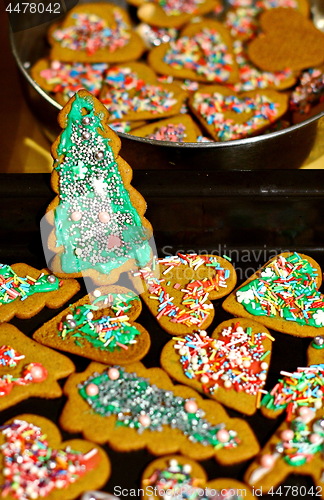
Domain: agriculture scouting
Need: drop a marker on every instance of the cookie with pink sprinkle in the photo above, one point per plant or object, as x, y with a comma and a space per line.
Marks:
93, 33
227, 115
229, 366
179, 128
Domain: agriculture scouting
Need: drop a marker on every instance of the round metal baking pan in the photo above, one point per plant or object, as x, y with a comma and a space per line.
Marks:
286, 148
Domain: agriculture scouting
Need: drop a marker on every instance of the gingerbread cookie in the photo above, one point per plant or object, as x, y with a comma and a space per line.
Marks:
100, 326
301, 388
174, 475
230, 366
251, 78
288, 40
132, 92
228, 116
133, 407
179, 128
172, 13
35, 463
64, 79
28, 369
97, 216
25, 291
283, 295
203, 53
178, 289
296, 448
93, 33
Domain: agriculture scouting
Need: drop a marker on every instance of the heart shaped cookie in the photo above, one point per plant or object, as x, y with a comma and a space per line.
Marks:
283, 295
25, 291
295, 448
229, 366
93, 33
100, 326
35, 463
64, 79
179, 294
203, 53
172, 13
227, 115
133, 407
28, 369
132, 92
298, 389
288, 40
165, 476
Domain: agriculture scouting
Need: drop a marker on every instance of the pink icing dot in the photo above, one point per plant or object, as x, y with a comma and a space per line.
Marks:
222, 436
37, 371
92, 389
113, 241
315, 438
104, 217
144, 420
267, 461
113, 373
56, 65
76, 216
287, 435
191, 406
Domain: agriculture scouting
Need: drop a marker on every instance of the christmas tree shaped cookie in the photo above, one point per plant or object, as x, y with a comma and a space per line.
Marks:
25, 291
133, 407
35, 463
100, 326
28, 369
296, 448
167, 476
301, 388
180, 295
283, 295
229, 366
97, 217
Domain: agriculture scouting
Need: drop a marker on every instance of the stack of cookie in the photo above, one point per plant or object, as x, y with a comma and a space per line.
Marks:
190, 71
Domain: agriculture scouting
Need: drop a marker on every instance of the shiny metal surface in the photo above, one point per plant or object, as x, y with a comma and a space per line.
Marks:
286, 148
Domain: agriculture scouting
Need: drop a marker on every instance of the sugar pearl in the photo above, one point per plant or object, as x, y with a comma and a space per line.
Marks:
76, 216
51, 278
287, 435
246, 363
306, 413
187, 468
227, 384
315, 438
144, 420
191, 406
264, 365
92, 390
104, 217
204, 379
86, 120
267, 461
222, 436
113, 373
96, 293
37, 371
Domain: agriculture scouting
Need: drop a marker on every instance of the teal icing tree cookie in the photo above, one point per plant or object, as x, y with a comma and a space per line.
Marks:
97, 217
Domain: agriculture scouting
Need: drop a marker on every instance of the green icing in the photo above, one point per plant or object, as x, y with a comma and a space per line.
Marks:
90, 184
285, 288
301, 449
107, 333
130, 397
13, 287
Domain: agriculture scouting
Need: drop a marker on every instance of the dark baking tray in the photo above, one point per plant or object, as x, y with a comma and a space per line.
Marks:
247, 215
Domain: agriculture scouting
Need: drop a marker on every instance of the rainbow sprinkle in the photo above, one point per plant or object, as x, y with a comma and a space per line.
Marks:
234, 361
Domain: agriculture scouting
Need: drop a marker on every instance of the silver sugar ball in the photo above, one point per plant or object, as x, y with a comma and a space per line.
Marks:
71, 323
279, 448
51, 278
86, 120
319, 340
99, 155
318, 426
86, 135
